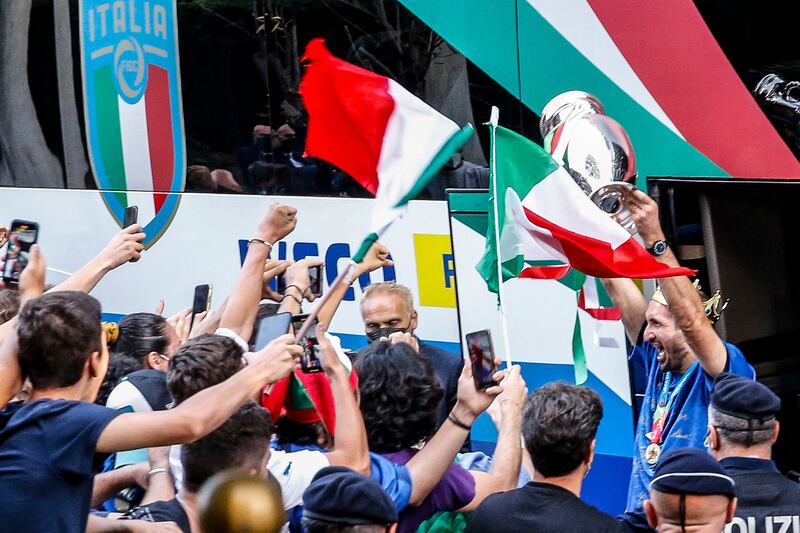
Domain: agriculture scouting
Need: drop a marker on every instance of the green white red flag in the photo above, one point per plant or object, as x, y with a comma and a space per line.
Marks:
373, 129
548, 225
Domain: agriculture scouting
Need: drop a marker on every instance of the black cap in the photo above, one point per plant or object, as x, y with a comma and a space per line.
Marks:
691, 471
744, 398
341, 496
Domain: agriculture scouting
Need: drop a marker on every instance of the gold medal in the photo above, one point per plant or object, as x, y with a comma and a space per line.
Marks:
652, 453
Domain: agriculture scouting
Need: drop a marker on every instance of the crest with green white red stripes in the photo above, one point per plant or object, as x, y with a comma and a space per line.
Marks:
132, 107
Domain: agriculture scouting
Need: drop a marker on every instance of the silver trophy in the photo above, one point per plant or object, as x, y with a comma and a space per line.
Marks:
564, 107
594, 149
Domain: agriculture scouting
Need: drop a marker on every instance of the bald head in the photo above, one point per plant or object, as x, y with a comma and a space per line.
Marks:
701, 513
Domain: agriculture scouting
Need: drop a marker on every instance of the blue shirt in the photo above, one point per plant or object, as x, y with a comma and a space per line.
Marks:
687, 422
48, 462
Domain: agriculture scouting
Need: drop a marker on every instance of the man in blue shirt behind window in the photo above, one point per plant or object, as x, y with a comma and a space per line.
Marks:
678, 350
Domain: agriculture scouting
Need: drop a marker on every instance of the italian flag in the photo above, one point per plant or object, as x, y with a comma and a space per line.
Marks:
307, 398
548, 225
136, 140
377, 132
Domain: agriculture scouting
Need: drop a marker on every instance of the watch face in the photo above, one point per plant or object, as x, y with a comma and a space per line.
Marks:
659, 247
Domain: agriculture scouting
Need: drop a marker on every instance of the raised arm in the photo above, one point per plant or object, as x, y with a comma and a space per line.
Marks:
240, 314
297, 284
684, 301
630, 300
31, 285
377, 257
206, 410
430, 464
125, 246
504, 472
350, 443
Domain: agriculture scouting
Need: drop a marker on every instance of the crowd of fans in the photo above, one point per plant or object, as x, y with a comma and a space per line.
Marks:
174, 424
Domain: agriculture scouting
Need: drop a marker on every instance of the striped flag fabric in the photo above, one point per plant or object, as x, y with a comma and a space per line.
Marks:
548, 225
143, 158
373, 129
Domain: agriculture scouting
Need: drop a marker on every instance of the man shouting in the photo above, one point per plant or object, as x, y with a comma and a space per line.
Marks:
680, 353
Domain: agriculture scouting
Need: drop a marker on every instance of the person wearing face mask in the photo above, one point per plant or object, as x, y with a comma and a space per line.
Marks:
678, 351
388, 312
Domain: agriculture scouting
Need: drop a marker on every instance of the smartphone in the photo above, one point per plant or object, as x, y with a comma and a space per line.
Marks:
281, 284
131, 215
202, 301
481, 354
21, 236
315, 277
271, 327
309, 359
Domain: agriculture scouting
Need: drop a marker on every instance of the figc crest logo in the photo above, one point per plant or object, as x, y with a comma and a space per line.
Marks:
132, 106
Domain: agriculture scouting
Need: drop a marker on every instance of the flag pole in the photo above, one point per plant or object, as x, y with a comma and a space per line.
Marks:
343, 277
494, 118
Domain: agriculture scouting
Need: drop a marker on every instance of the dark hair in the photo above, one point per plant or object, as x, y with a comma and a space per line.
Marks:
290, 431
240, 443
9, 305
57, 333
317, 526
140, 334
200, 363
399, 396
559, 423
119, 366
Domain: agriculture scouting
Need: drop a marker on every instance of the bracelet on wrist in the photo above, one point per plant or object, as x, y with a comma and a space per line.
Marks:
156, 471
293, 297
260, 241
452, 418
292, 285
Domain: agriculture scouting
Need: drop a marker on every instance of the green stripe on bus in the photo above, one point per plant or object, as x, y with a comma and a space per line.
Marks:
108, 132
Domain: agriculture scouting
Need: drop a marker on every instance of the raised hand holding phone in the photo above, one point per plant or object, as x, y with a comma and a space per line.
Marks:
277, 359
22, 235
201, 302
125, 246
329, 360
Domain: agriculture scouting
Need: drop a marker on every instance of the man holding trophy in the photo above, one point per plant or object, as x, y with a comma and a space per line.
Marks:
675, 342
673, 335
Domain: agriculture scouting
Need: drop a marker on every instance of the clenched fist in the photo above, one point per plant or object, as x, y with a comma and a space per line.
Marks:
278, 222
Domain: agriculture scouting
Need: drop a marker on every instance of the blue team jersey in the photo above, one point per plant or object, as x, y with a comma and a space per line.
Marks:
687, 422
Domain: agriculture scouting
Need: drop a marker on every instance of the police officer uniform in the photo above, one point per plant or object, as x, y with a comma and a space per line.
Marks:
768, 501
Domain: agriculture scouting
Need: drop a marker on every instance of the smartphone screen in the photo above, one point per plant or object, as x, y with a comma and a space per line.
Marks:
271, 327
131, 216
21, 236
202, 298
481, 354
315, 277
202, 301
309, 359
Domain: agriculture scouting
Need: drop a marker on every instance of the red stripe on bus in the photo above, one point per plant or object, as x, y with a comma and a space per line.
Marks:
159, 131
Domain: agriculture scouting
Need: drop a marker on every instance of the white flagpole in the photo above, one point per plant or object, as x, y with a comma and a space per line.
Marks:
493, 120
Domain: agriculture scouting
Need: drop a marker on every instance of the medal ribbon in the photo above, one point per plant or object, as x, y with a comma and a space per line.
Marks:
664, 405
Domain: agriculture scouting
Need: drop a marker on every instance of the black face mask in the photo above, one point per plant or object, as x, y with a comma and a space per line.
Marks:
383, 332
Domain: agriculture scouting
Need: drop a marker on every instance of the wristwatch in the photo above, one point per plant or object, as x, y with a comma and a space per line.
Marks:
658, 248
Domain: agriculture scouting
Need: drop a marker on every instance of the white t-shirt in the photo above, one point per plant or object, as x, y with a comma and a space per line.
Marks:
292, 470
